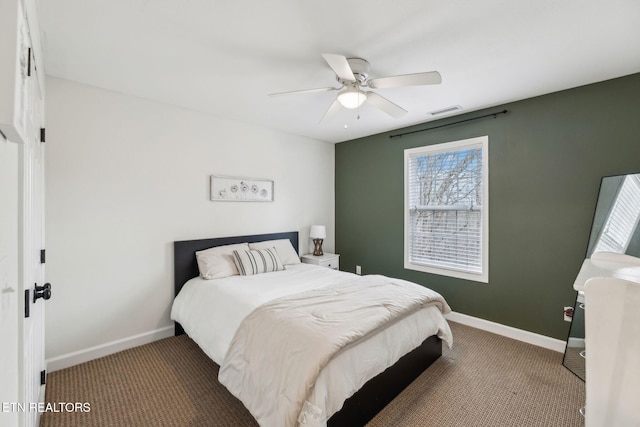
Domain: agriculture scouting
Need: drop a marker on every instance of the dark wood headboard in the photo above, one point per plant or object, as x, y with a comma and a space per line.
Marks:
185, 266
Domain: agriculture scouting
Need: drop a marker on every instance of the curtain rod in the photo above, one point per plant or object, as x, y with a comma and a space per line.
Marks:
494, 115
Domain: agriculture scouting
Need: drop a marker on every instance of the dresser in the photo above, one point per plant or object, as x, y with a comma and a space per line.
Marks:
611, 286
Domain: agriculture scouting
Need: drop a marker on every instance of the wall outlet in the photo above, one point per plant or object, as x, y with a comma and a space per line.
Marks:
358, 269
568, 314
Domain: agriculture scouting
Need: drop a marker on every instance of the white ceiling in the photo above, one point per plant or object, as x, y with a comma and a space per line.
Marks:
224, 56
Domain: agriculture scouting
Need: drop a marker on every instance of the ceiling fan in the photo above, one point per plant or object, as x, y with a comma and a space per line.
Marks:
353, 76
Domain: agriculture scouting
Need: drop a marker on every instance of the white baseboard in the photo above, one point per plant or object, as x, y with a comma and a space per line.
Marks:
508, 331
91, 353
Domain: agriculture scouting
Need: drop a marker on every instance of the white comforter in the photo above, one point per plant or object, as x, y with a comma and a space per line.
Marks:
211, 311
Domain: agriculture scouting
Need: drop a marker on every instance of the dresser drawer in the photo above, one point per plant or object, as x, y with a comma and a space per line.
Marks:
331, 263
327, 260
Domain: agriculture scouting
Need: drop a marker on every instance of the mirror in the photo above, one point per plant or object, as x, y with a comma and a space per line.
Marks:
575, 353
615, 221
614, 229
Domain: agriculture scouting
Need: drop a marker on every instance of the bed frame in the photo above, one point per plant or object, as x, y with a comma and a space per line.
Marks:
377, 392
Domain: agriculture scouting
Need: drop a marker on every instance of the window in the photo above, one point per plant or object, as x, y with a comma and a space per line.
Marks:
446, 209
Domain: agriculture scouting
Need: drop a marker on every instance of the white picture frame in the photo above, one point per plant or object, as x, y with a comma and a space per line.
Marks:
234, 189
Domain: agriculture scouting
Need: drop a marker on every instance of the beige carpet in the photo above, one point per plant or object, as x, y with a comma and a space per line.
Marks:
484, 380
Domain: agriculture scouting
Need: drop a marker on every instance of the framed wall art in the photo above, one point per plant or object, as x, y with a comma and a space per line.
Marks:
231, 189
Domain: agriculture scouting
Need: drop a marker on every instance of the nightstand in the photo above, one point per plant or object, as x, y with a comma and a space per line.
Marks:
326, 260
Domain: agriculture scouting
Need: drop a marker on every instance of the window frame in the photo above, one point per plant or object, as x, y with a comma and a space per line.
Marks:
481, 142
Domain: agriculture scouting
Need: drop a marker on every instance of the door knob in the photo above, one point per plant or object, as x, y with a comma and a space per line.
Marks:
43, 292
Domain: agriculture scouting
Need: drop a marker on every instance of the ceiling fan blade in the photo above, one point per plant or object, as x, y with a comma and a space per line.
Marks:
293, 92
417, 79
340, 66
385, 105
331, 112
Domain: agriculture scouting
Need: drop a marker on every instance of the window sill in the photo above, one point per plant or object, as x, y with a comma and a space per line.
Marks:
474, 277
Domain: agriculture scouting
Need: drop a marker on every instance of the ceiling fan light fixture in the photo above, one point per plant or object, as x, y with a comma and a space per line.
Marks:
351, 98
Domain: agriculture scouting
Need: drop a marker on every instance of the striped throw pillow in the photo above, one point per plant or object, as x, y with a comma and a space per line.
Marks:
257, 261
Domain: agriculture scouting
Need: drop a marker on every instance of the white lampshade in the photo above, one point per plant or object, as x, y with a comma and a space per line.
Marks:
318, 232
351, 98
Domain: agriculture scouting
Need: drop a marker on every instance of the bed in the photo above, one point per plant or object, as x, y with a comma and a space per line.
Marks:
375, 386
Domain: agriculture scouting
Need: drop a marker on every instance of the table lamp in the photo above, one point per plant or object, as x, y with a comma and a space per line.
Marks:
317, 233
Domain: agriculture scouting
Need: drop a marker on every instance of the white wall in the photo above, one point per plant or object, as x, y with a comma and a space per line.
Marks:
126, 177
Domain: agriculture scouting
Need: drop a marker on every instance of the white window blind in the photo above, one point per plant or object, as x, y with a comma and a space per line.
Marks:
622, 219
446, 209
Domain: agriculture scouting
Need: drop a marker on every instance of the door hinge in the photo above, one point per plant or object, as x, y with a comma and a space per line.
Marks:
42, 135
43, 256
27, 302
43, 377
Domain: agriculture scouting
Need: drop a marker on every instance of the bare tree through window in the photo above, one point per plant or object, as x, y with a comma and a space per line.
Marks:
445, 191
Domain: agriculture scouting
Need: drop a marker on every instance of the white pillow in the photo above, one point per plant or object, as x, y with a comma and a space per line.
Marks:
285, 250
217, 262
257, 261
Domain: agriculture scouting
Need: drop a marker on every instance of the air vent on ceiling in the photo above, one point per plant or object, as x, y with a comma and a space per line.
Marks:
446, 110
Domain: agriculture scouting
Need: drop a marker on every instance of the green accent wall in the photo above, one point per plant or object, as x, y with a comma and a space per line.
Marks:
546, 159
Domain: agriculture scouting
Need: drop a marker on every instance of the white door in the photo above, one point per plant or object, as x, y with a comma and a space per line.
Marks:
32, 162
9, 272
